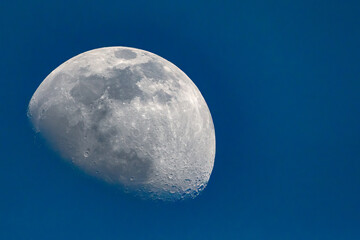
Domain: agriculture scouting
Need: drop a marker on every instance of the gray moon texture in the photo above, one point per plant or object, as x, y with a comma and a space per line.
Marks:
130, 118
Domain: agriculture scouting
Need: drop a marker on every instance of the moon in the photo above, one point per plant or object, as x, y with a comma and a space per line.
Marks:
129, 118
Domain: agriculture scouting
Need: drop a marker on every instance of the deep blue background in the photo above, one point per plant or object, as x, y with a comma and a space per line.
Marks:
281, 79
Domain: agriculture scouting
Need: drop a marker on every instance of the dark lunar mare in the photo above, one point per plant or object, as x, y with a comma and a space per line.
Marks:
126, 54
122, 85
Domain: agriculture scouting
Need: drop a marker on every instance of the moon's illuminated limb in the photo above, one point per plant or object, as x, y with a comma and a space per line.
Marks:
130, 118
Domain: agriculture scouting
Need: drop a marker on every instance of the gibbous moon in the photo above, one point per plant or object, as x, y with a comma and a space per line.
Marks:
130, 118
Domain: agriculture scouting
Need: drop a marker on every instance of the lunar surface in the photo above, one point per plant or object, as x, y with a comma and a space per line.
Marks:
130, 118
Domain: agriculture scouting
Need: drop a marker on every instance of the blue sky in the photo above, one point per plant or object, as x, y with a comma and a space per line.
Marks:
281, 79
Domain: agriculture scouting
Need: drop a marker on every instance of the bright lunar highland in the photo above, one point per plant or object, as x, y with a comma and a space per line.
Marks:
130, 118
